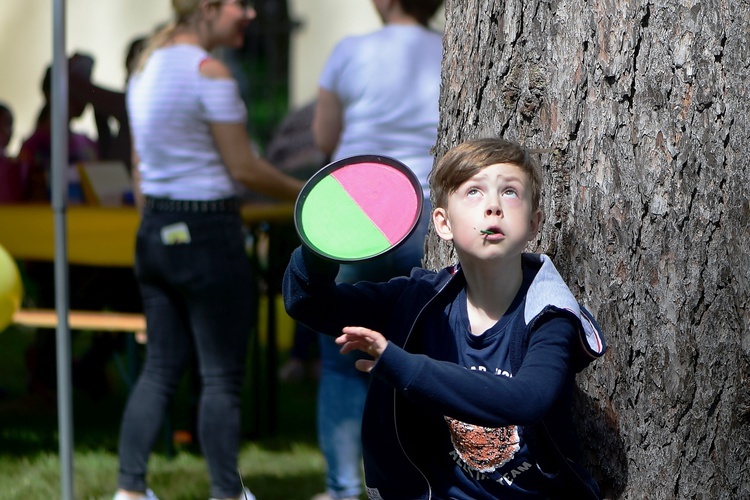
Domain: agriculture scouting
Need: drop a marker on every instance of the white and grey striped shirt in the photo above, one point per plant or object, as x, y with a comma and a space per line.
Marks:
171, 106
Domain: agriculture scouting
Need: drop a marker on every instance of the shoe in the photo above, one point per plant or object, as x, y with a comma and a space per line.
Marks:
149, 495
245, 495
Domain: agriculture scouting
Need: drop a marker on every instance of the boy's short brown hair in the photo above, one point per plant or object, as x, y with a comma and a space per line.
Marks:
463, 161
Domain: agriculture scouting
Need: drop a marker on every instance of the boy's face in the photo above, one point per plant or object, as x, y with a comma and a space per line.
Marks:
490, 215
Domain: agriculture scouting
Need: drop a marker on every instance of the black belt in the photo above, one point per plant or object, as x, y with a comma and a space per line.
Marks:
165, 205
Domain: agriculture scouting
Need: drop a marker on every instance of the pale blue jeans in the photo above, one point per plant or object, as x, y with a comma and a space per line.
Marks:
342, 389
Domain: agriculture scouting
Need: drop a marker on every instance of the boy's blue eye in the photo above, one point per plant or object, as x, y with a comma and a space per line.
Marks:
510, 193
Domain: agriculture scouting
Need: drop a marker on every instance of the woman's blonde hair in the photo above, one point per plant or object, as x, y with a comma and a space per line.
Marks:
184, 12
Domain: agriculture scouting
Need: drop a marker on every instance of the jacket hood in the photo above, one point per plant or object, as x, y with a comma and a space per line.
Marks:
549, 290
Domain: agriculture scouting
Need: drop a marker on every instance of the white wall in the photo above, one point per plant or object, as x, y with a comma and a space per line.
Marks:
323, 23
102, 28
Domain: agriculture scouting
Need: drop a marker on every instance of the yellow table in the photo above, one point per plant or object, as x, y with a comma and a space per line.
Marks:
253, 213
99, 236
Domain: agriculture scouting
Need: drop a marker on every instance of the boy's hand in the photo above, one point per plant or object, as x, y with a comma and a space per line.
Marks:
365, 340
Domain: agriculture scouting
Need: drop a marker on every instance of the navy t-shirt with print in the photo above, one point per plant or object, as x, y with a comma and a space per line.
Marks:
466, 458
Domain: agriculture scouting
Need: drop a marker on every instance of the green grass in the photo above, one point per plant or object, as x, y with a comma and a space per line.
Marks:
284, 465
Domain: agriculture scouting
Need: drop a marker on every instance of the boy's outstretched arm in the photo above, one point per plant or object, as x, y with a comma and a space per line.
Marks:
312, 297
365, 340
483, 397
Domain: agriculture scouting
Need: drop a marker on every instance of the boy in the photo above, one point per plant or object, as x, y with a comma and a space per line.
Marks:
474, 366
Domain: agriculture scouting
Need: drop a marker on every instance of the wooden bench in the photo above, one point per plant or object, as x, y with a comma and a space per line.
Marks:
95, 321
105, 236
83, 320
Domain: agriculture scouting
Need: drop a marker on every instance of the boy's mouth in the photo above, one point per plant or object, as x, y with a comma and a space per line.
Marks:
490, 231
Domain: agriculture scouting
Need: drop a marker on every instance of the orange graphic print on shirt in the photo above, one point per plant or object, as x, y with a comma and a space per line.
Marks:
484, 449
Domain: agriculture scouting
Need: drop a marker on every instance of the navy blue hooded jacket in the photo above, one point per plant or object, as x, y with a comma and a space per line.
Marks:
407, 387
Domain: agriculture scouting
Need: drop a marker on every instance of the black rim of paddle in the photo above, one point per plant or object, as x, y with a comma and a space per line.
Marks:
345, 162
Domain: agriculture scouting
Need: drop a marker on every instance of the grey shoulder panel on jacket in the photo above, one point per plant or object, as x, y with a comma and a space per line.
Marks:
549, 289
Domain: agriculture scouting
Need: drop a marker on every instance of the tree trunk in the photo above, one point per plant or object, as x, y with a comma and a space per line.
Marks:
641, 113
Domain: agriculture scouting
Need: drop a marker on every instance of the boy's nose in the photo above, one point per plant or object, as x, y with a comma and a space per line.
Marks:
493, 210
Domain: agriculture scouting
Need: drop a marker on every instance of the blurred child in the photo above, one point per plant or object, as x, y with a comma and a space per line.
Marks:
35, 156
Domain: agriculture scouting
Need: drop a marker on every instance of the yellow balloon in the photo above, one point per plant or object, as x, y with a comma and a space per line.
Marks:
11, 288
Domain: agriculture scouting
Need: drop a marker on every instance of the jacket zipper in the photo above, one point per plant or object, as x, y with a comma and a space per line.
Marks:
406, 341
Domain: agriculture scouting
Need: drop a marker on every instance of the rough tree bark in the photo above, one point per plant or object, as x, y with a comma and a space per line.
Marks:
642, 108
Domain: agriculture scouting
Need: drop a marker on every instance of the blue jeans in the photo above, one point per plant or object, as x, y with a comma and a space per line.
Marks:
199, 296
341, 400
343, 388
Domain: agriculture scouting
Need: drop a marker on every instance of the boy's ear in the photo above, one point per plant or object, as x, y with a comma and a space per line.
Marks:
442, 224
534, 223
